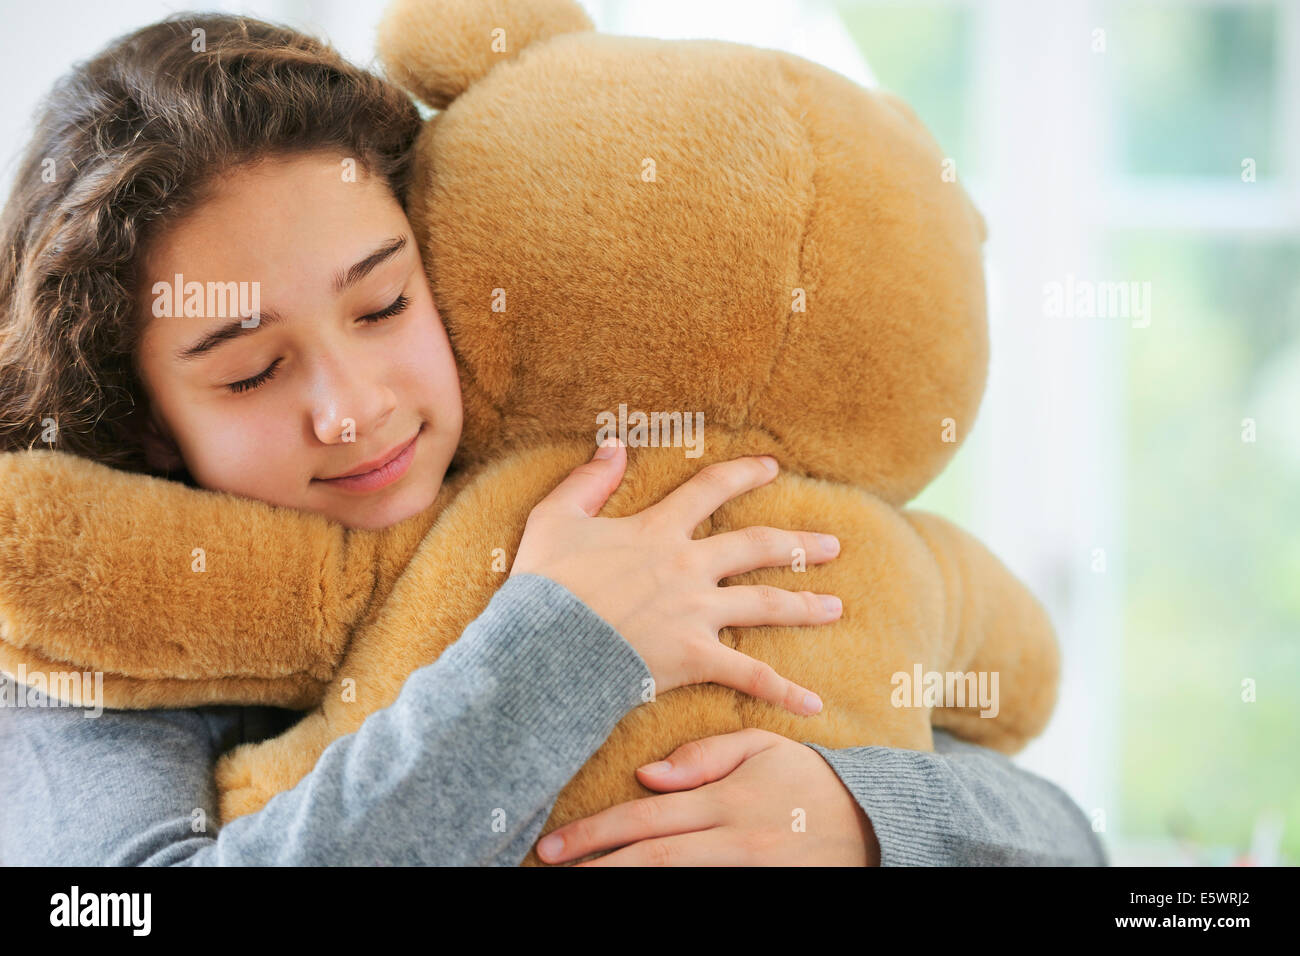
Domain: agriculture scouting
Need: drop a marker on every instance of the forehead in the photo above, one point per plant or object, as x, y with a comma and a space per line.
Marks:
288, 223
296, 214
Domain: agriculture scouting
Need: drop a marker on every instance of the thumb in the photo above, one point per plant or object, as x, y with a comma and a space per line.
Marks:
589, 485
703, 761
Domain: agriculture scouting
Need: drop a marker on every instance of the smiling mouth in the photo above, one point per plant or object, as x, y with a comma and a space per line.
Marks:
392, 467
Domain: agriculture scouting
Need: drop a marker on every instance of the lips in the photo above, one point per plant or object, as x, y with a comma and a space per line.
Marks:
376, 463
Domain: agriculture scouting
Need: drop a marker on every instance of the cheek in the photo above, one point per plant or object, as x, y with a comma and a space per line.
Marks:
244, 453
428, 363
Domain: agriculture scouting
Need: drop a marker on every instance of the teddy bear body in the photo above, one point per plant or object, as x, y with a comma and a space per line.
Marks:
898, 615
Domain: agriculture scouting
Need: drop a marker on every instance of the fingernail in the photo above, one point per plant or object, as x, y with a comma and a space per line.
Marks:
830, 543
832, 604
769, 463
812, 703
663, 766
551, 846
607, 447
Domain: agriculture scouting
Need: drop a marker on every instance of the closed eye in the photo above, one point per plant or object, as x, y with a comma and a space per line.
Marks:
399, 305
257, 380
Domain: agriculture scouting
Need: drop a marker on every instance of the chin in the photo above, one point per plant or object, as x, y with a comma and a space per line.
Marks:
413, 501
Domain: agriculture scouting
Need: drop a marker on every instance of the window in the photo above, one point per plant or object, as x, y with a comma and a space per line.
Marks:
1155, 144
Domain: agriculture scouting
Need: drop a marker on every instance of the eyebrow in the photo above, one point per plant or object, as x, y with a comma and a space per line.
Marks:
343, 280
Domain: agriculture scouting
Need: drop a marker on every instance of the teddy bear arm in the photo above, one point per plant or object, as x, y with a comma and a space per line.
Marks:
996, 629
177, 596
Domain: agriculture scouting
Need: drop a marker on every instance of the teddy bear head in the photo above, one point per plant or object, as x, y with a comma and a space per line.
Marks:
734, 234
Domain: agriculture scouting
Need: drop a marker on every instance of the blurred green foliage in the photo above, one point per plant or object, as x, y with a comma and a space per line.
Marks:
1195, 87
1212, 595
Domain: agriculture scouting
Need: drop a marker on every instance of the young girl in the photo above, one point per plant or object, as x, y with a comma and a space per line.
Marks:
213, 148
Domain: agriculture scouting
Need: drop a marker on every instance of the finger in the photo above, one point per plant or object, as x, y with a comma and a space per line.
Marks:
735, 552
702, 761
758, 605
713, 847
731, 668
589, 486
713, 486
626, 823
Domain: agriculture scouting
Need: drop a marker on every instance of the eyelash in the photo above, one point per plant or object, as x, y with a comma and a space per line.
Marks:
399, 305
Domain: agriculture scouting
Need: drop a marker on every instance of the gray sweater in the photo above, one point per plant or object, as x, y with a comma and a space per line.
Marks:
462, 768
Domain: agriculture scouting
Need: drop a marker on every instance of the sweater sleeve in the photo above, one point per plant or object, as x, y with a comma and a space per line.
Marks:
963, 805
463, 768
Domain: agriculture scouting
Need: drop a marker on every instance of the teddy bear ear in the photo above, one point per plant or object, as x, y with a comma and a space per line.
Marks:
437, 48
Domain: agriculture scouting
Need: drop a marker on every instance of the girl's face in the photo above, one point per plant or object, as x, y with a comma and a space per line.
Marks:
348, 366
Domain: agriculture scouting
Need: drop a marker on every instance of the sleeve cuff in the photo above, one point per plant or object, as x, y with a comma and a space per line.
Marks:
897, 790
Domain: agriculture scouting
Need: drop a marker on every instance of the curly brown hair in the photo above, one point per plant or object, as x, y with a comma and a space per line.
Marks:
125, 143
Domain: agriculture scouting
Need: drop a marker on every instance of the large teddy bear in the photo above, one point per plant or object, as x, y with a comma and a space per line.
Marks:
613, 227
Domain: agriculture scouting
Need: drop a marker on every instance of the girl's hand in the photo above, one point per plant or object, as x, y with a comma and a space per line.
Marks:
775, 802
658, 587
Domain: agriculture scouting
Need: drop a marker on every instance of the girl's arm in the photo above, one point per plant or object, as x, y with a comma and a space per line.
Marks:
963, 805
462, 769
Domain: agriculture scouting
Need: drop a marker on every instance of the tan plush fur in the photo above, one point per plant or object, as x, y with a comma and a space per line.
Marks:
677, 226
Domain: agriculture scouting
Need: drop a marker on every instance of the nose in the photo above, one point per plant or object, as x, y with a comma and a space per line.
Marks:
350, 399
